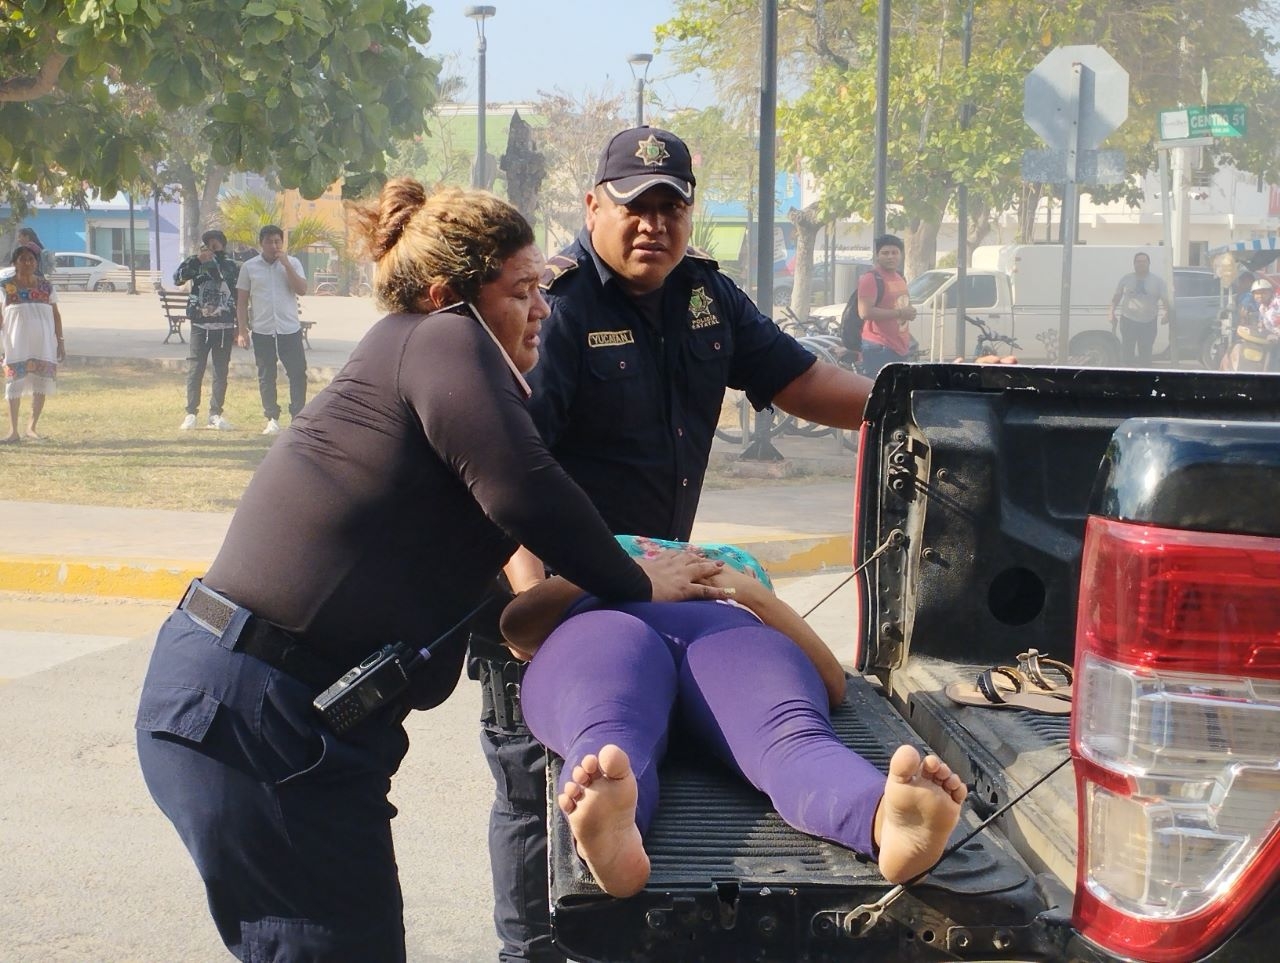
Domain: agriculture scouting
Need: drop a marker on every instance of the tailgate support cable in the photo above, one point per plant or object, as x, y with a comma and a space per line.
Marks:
860, 920
894, 539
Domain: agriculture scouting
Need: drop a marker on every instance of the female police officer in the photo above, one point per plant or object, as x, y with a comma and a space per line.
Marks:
381, 516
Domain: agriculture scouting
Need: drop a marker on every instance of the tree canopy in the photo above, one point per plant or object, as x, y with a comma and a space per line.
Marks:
309, 90
827, 83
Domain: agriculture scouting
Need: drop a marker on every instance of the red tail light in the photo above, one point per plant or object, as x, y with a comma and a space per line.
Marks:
1174, 735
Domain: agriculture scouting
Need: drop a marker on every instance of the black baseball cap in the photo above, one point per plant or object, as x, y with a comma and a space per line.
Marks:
644, 157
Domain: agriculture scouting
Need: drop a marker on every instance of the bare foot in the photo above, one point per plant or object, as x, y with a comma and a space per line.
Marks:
600, 804
32, 436
920, 807
9, 440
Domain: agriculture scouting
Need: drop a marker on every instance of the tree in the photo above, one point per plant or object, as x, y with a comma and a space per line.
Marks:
311, 90
1163, 44
574, 132
432, 155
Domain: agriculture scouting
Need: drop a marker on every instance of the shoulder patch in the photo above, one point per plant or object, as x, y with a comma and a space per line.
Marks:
701, 255
558, 265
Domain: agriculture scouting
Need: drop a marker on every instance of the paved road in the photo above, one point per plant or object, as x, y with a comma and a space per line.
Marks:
91, 871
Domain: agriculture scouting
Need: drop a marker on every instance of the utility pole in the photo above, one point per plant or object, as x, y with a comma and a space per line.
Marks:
882, 121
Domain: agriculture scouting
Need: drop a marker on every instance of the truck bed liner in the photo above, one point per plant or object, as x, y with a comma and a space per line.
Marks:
719, 852
999, 752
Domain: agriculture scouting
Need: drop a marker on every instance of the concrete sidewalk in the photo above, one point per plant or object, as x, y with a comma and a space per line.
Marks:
795, 526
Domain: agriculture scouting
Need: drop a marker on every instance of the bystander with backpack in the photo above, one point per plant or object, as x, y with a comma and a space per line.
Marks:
880, 311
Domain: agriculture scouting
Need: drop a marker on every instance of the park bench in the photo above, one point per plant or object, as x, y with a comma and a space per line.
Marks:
119, 280
63, 279
174, 304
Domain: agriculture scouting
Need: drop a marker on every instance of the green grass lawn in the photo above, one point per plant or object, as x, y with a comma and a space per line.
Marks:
111, 438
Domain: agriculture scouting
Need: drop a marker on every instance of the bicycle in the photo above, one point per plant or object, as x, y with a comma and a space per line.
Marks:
991, 342
791, 323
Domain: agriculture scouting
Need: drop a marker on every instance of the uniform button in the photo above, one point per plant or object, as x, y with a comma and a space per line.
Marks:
679, 432
716, 345
622, 364
685, 482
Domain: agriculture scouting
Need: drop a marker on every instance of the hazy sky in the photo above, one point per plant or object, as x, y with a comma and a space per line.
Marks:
576, 46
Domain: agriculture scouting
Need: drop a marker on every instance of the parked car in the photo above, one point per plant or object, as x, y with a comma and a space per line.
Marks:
98, 268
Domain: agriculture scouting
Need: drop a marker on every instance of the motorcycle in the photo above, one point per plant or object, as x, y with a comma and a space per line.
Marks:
1249, 349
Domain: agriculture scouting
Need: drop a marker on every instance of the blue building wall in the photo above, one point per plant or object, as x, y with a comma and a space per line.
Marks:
62, 228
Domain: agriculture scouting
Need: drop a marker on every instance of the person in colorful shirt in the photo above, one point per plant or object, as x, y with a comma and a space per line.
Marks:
31, 337
212, 312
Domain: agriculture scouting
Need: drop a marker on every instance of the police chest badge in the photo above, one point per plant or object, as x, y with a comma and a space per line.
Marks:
700, 315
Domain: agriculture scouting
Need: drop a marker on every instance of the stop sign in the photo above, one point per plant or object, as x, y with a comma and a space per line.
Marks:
1103, 97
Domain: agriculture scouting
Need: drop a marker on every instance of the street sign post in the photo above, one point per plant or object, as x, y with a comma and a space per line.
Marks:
1073, 99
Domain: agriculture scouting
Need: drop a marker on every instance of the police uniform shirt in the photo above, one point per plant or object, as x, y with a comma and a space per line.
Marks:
628, 391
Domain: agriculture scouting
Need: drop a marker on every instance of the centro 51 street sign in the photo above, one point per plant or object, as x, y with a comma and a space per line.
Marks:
1216, 120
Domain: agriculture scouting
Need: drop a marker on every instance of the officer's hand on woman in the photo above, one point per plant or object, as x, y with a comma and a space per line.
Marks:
677, 576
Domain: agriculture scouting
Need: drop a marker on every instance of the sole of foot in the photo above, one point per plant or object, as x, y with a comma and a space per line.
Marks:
600, 805
919, 809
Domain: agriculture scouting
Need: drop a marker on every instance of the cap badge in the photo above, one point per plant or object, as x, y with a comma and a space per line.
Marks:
652, 151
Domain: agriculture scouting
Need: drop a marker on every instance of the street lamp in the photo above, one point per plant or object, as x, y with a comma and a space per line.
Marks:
479, 14
640, 62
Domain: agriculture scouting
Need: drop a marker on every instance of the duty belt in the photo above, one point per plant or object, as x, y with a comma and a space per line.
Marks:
257, 637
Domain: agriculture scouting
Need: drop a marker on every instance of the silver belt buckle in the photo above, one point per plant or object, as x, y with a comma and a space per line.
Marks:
208, 609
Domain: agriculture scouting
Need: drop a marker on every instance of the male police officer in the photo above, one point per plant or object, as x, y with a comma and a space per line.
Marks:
644, 335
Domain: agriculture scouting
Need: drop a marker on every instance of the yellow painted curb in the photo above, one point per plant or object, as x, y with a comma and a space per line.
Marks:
161, 579
167, 579
801, 555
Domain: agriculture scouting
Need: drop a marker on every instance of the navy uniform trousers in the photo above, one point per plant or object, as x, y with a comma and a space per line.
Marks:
289, 826
518, 820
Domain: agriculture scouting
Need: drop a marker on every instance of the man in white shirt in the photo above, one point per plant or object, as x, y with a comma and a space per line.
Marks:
267, 303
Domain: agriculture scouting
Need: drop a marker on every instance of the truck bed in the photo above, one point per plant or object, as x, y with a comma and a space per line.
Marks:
731, 881
1000, 753
973, 487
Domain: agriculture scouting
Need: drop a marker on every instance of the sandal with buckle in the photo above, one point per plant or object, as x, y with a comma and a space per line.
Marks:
1046, 674
1003, 687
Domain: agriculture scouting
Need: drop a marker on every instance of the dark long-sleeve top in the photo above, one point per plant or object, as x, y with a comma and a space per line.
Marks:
388, 507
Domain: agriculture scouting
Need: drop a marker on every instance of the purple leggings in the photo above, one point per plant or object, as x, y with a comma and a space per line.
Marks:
627, 675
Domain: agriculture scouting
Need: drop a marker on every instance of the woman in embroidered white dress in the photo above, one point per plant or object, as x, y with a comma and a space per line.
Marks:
31, 337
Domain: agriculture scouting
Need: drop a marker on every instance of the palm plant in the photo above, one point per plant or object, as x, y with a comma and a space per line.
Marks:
241, 216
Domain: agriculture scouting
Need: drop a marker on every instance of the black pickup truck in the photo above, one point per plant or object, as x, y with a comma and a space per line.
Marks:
1128, 521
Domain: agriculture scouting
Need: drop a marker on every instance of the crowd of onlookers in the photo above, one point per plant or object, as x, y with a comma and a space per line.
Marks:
249, 302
